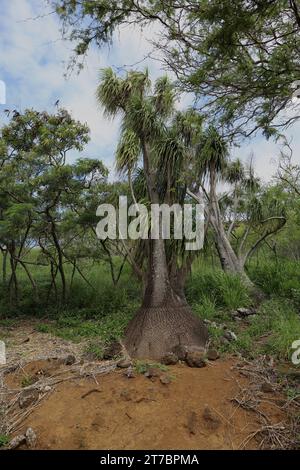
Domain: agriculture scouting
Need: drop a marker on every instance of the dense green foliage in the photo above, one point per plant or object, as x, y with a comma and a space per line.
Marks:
55, 270
240, 58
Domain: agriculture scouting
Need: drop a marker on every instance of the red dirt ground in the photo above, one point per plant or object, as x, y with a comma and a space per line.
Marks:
142, 413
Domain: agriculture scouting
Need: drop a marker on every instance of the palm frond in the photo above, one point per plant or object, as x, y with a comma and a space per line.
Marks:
128, 151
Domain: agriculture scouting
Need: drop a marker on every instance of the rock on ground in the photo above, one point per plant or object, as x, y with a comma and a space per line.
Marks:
170, 359
195, 359
30, 438
211, 418
212, 355
192, 422
165, 379
70, 360
28, 397
113, 350
152, 372
124, 363
17, 441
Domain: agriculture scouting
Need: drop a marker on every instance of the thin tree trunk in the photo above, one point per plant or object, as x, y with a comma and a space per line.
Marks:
230, 261
233, 264
32, 281
53, 283
13, 282
4, 266
60, 263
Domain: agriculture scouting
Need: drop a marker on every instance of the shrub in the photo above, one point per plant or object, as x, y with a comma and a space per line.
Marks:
212, 289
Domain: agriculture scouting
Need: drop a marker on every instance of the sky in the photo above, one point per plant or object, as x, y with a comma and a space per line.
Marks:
33, 63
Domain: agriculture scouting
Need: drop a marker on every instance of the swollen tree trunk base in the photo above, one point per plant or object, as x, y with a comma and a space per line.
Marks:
155, 331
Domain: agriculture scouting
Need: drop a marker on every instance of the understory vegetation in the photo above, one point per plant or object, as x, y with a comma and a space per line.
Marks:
56, 268
98, 312
164, 243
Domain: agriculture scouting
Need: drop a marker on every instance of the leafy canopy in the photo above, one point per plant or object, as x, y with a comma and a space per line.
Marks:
240, 58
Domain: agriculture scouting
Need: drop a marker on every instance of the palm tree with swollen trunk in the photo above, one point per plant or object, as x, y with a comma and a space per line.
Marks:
164, 321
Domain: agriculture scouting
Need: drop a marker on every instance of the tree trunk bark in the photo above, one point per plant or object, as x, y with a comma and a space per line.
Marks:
4, 267
164, 320
13, 282
60, 263
232, 264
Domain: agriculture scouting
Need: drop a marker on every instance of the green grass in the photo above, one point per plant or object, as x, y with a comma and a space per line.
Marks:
8, 323
141, 367
280, 278
102, 312
27, 380
272, 331
71, 325
96, 300
95, 350
4, 440
210, 289
206, 308
214, 294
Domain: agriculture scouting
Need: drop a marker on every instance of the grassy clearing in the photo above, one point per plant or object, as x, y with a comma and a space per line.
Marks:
101, 313
272, 331
216, 289
280, 278
214, 294
72, 326
93, 300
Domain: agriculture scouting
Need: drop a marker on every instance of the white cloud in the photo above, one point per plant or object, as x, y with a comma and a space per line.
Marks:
33, 62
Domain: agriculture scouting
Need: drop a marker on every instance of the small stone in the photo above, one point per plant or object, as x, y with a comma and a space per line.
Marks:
266, 387
224, 341
211, 418
230, 336
30, 438
152, 372
28, 397
180, 351
47, 388
212, 355
245, 312
196, 359
170, 359
124, 363
165, 379
112, 350
235, 314
17, 441
130, 373
192, 422
70, 360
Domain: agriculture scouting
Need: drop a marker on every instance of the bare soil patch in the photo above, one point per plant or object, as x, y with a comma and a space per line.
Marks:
96, 406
